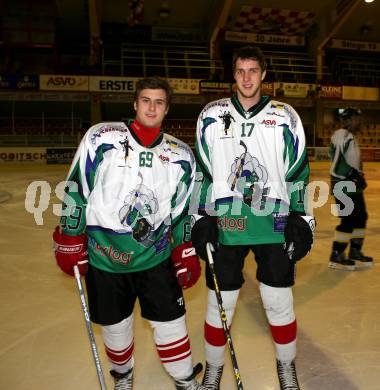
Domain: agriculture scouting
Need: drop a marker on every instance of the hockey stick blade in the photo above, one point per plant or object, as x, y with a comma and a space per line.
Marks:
223, 317
90, 331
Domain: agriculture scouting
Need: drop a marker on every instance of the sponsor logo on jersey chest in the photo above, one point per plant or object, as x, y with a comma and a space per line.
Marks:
269, 122
231, 224
164, 159
114, 254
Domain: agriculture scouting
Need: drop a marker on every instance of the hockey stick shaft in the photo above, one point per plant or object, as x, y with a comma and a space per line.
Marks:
90, 331
241, 165
223, 318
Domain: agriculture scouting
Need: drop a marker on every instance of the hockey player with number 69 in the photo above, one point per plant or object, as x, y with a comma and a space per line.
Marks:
125, 211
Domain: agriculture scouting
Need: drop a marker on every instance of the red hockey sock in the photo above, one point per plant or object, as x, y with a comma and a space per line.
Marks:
284, 334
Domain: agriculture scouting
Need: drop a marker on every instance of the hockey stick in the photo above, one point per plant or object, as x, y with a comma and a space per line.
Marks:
240, 168
90, 331
223, 317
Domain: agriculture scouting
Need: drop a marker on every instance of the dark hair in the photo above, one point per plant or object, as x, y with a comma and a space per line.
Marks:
154, 83
249, 53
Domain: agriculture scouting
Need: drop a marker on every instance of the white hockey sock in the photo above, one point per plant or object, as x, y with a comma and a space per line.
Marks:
118, 342
215, 340
173, 347
358, 233
278, 305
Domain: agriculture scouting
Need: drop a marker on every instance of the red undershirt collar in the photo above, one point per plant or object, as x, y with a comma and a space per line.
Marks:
146, 135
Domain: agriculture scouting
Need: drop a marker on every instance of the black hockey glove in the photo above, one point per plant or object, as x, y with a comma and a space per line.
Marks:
299, 235
358, 178
204, 230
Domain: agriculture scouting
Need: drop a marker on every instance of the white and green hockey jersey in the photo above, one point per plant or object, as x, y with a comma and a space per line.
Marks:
130, 200
254, 168
344, 153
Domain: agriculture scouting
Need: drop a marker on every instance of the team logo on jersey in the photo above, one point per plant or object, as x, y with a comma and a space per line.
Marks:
126, 148
138, 213
227, 119
249, 178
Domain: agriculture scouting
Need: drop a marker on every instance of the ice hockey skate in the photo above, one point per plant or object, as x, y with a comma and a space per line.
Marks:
340, 262
190, 383
212, 377
361, 261
123, 381
287, 375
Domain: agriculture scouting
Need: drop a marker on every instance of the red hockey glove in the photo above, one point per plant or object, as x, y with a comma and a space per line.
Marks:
70, 251
186, 264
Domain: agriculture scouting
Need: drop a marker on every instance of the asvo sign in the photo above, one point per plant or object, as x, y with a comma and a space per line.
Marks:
61, 81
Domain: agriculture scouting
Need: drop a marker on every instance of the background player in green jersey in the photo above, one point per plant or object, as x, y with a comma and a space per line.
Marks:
346, 165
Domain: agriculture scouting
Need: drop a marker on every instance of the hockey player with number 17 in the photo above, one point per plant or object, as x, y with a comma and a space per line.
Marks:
125, 211
257, 171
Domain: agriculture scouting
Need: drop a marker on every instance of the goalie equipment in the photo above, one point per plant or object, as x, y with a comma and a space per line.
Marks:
186, 264
70, 251
299, 235
204, 230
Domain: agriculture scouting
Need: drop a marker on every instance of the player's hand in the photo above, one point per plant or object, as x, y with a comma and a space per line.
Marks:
299, 235
186, 264
204, 230
70, 251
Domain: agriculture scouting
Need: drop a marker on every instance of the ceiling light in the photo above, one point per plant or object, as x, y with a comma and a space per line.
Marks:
369, 1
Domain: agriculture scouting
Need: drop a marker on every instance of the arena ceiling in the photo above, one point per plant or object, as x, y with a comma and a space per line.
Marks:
343, 19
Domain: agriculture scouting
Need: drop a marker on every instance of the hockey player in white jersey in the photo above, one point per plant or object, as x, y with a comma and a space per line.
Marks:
254, 175
346, 165
125, 210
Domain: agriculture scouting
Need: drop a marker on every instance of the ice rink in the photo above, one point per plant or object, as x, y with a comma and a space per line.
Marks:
44, 343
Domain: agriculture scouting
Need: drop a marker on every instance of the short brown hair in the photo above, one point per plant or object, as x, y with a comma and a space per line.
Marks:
249, 53
154, 83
